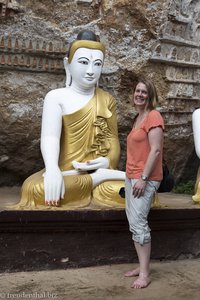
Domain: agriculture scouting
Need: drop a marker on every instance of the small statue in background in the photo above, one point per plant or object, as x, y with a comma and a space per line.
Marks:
196, 133
79, 138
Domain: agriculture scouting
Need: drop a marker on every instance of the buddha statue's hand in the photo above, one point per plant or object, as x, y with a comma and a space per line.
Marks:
54, 187
94, 164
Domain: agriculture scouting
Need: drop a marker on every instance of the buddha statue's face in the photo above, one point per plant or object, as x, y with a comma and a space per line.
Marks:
86, 66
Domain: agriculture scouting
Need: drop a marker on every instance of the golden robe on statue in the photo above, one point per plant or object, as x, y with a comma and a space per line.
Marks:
88, 133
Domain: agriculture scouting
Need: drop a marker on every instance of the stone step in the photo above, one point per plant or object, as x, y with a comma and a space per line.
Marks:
52, 239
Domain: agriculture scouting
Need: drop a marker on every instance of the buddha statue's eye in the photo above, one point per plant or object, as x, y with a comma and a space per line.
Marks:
83, 61
98, 63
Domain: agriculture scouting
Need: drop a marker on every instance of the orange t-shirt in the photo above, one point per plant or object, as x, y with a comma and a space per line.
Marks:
138, 148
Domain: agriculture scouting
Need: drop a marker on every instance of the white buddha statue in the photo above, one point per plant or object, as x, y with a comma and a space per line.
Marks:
196, 133
79, 138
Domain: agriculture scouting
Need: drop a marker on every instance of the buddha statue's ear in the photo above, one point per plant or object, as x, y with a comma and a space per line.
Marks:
68, 74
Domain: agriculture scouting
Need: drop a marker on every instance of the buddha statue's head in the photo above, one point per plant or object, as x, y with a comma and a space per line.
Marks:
84, 61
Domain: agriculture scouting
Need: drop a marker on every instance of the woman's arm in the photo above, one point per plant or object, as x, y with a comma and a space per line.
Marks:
155, 137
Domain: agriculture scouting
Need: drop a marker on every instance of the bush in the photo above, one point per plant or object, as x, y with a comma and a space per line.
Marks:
185, 188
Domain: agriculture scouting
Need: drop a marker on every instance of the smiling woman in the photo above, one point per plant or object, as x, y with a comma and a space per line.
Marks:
143, 173
79, 138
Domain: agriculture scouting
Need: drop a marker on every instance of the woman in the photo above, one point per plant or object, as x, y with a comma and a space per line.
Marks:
79, 138
143, 173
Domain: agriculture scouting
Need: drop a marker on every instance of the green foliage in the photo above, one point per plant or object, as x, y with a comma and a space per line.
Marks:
185, 188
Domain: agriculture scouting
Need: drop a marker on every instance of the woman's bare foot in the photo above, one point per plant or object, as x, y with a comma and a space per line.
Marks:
141, 282
134, 272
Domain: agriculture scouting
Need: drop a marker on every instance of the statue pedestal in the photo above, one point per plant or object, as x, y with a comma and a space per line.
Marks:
38, 240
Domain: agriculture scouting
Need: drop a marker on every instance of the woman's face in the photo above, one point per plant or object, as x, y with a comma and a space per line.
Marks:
140, 95
86, 67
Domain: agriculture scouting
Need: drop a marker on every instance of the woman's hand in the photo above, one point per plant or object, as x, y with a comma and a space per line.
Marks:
95, 164
54, 187
139, 188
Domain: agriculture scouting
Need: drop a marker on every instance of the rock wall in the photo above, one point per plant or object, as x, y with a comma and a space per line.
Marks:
157, 39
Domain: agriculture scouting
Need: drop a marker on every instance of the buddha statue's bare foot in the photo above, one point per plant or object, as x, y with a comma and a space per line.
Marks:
196, 198
156, 202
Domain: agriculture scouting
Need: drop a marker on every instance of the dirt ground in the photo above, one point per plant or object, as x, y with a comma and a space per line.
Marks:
171, 280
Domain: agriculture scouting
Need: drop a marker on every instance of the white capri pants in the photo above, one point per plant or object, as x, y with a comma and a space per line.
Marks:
137, 210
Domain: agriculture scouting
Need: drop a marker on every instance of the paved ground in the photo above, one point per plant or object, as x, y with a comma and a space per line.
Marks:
172, 280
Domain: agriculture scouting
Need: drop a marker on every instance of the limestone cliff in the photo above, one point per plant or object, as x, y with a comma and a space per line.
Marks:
157, 39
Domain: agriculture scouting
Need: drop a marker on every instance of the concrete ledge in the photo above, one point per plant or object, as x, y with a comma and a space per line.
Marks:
40, 240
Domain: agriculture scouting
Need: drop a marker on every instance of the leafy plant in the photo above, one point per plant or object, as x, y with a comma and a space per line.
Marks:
185, 187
